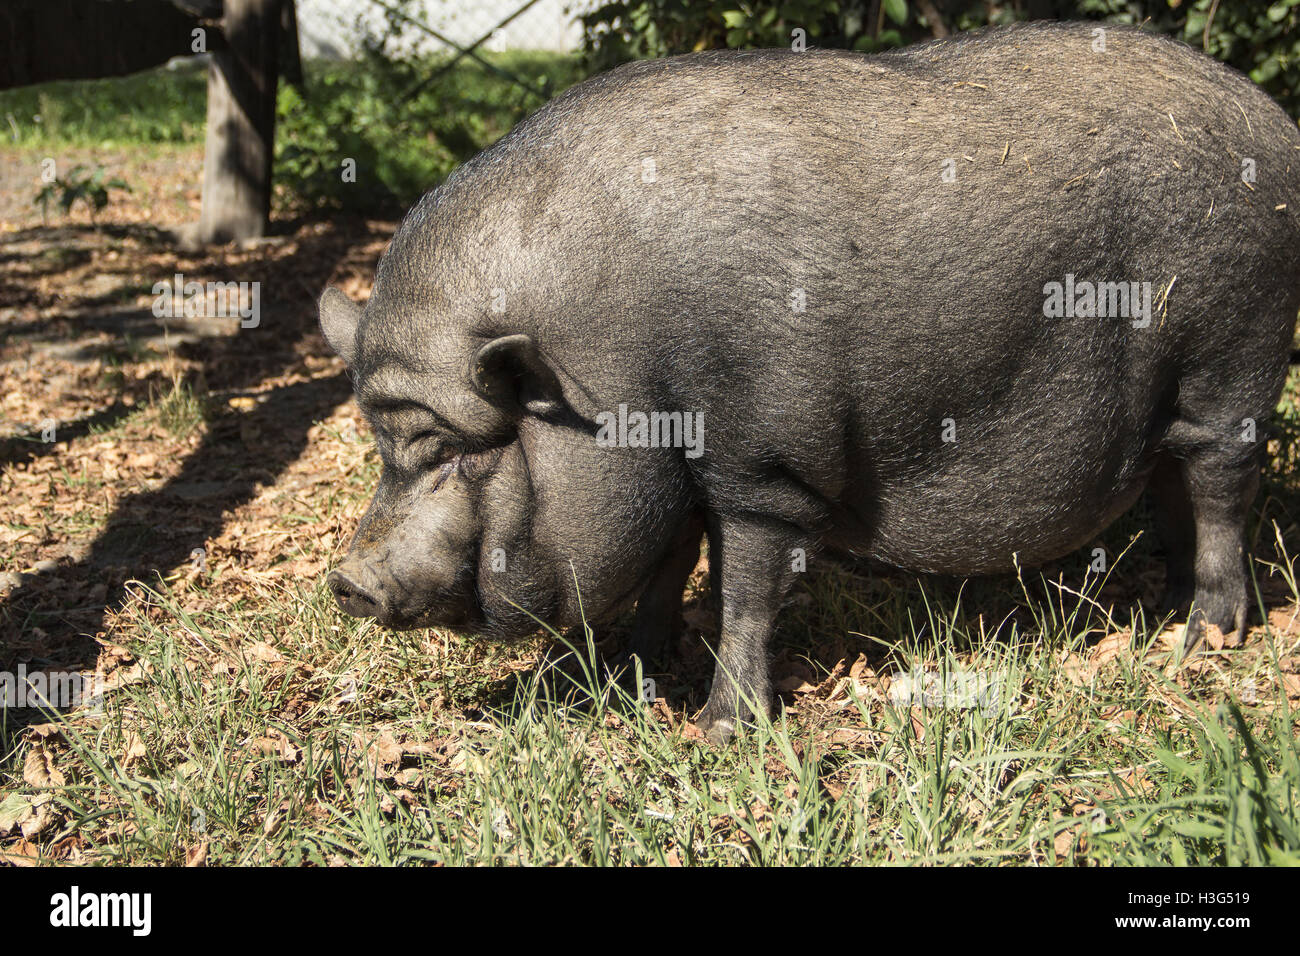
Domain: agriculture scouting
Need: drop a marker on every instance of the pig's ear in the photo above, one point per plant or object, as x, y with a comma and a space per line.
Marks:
339, 317
511, 369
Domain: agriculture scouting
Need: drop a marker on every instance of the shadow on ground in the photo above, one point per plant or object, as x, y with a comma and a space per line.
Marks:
151, 531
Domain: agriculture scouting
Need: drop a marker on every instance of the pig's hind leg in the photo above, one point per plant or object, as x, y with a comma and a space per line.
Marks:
1220, 475
1221, 491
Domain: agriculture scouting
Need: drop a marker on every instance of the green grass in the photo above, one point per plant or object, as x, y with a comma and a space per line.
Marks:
402, 146
180, 410
156, 106
311, 738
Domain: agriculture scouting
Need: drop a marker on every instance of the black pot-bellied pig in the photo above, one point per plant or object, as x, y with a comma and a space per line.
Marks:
952, 308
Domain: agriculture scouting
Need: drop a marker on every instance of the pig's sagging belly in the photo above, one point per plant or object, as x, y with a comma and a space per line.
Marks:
935, 531
969, 511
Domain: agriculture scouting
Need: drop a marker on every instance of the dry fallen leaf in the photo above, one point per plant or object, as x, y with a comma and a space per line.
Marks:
41, 820
135, 751
14, 809
380, 752
263, 653
834, 682
1285, 620
1119, 644
43, 732
276, 744
1291, 685
918, 723
860, 671
1076, 671
794, 684
1063, 842
1115, 716
1171, 638
1138, 780
850, 737
39, 769
662, 712
1214, 638
22, 853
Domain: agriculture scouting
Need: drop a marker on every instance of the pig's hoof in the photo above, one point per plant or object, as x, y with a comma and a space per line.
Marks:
718, 720
1224, 627
717, 730
723, 713
1193, 633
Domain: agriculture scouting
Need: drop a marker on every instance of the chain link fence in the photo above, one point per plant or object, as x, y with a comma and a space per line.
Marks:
333, 28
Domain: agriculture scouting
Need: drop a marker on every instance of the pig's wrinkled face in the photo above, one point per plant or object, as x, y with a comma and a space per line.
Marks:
429, 552
498, 508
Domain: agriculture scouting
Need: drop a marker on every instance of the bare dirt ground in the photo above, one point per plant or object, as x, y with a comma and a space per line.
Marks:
166, 437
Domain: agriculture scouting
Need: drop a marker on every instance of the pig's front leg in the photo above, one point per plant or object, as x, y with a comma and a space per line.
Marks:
755, 565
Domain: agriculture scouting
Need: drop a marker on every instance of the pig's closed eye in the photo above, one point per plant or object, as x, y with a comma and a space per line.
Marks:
431, 448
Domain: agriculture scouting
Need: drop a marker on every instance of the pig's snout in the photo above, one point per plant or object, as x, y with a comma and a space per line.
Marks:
405, 596
357, 591
414, 560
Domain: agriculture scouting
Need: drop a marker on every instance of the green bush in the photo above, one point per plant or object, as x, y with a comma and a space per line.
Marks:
619, 31
404, 123
1259, 37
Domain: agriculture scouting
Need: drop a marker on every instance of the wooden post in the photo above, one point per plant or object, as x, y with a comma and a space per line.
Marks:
290, 50
242, 80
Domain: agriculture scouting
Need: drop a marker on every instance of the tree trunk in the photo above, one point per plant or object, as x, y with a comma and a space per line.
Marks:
290, 51
938, 29
242, 79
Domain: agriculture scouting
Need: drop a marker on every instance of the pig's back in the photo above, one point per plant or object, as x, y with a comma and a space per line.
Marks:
727, 190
